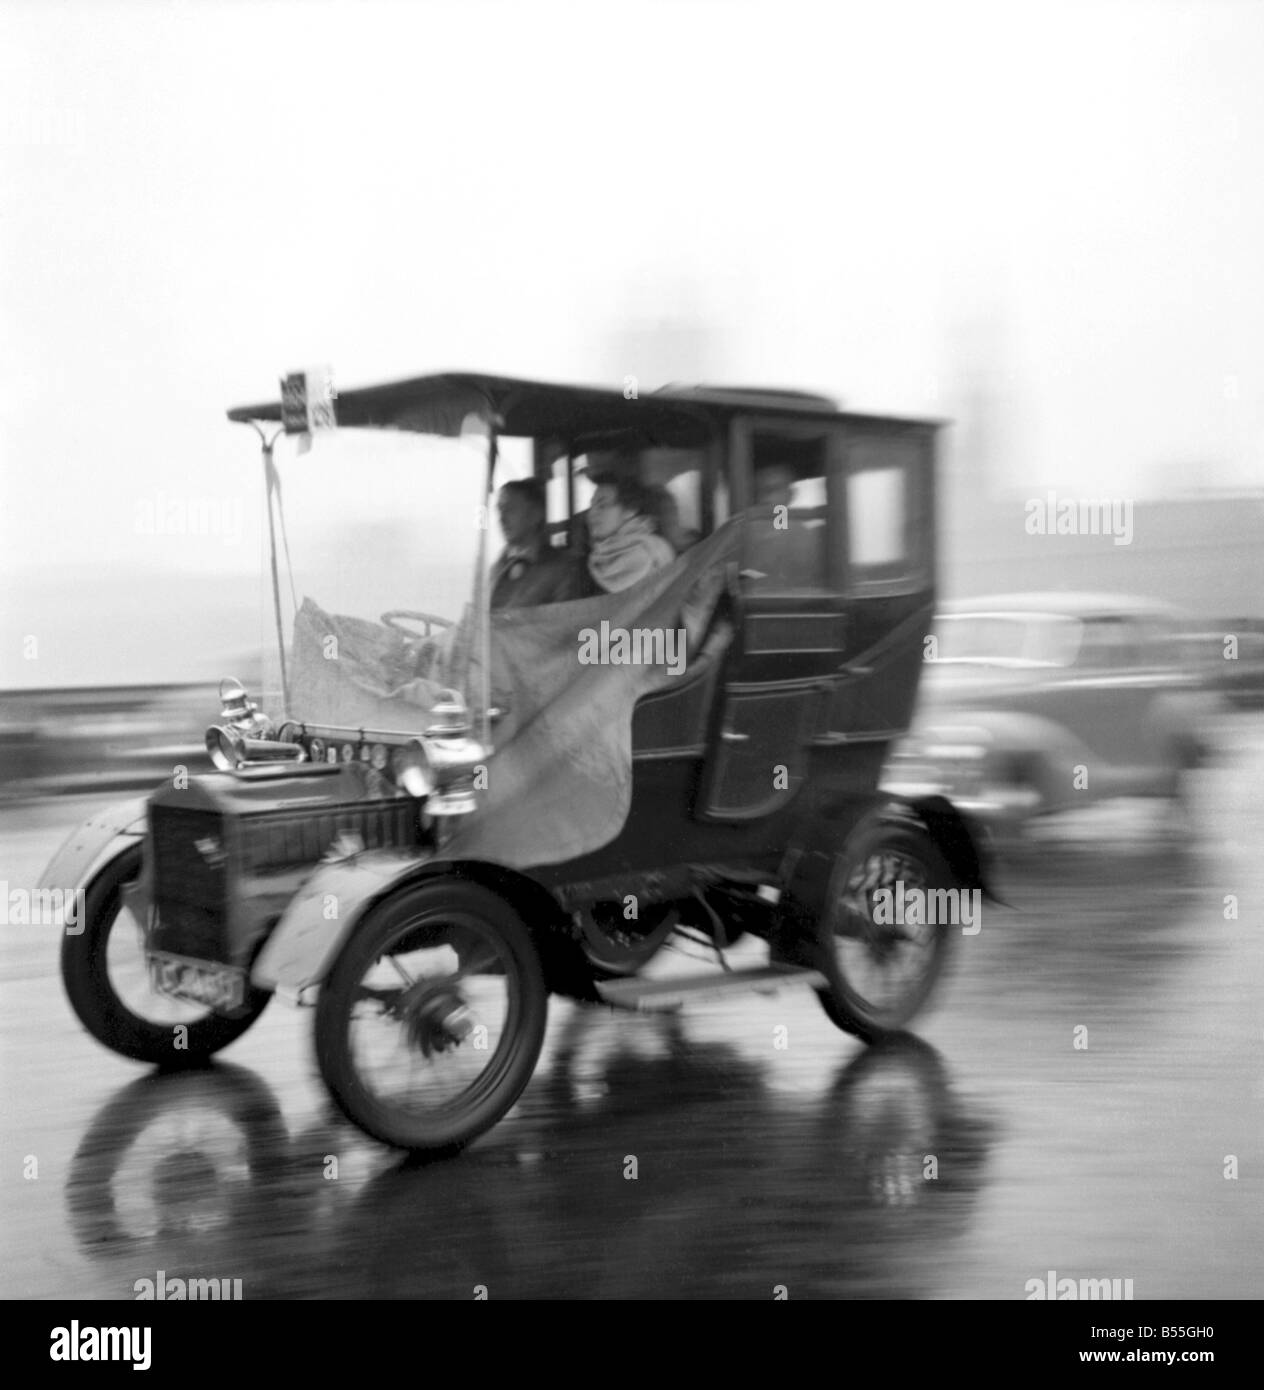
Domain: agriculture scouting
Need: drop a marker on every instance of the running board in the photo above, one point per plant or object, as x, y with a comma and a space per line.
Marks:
648, 995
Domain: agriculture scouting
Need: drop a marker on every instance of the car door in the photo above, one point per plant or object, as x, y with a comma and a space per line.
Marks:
834, 597
790, 613
1103, 703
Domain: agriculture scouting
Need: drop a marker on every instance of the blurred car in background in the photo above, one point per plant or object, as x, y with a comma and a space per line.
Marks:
1032, 704
1236, 668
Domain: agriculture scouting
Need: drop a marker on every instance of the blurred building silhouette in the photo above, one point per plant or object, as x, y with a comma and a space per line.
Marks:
1205, 552
1202, 550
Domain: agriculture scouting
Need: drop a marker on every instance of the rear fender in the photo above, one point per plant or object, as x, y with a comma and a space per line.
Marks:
962, 844
337, 897
807, 870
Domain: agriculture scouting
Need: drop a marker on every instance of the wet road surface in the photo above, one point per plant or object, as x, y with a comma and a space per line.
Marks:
730, 1149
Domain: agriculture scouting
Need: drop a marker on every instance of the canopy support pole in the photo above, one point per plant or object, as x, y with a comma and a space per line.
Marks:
273, 500
484, 593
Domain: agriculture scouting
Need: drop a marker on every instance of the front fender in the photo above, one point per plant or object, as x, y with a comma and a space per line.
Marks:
323, 914
1046, 749
1012, 731
336, 898
97, 840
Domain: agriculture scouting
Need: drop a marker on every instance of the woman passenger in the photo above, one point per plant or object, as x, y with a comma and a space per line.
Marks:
623, 542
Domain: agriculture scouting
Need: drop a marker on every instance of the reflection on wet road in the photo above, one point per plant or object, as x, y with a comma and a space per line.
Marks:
200, 1171
1094, 1062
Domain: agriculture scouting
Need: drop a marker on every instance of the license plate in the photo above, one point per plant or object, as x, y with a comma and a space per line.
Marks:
220, 987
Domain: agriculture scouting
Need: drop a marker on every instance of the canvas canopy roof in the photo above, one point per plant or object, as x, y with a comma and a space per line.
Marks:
678, 415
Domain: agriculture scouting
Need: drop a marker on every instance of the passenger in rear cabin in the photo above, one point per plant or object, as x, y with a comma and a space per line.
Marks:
625, 544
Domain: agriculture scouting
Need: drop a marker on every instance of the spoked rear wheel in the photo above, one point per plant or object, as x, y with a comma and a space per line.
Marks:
432, 1018
878, 950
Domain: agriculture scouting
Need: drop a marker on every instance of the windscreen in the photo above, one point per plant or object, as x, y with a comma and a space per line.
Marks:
379, 535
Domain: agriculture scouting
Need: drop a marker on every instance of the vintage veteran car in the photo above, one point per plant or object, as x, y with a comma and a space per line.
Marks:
435, 819
1042, 702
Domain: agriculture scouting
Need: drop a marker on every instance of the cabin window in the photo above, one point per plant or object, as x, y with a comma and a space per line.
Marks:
787, 524
555, 495
889, 539
675, 476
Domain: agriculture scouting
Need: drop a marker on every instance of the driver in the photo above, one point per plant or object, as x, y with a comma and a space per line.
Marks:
529, 570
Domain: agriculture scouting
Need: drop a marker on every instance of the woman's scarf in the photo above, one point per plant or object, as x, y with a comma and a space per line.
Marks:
627, 556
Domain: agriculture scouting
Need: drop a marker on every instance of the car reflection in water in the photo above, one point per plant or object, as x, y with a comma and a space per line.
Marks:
737, 1190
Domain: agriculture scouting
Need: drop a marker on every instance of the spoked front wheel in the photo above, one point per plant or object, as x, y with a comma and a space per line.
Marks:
890, 910
431, 1021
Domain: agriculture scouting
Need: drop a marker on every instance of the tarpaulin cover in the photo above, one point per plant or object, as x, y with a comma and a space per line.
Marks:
559, 782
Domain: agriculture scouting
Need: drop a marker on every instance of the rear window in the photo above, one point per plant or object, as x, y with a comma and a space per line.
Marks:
1006, 639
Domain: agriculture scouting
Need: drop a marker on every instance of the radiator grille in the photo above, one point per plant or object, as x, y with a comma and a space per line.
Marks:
205, 862
191, 875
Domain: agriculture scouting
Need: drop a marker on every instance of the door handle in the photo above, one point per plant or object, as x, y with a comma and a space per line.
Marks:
732, 736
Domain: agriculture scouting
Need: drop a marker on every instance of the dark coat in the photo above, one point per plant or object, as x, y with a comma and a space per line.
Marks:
542, 575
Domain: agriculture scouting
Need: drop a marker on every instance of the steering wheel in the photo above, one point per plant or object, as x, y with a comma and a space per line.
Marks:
411, 614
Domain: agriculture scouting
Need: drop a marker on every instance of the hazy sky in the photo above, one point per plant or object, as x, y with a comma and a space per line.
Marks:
883, 201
